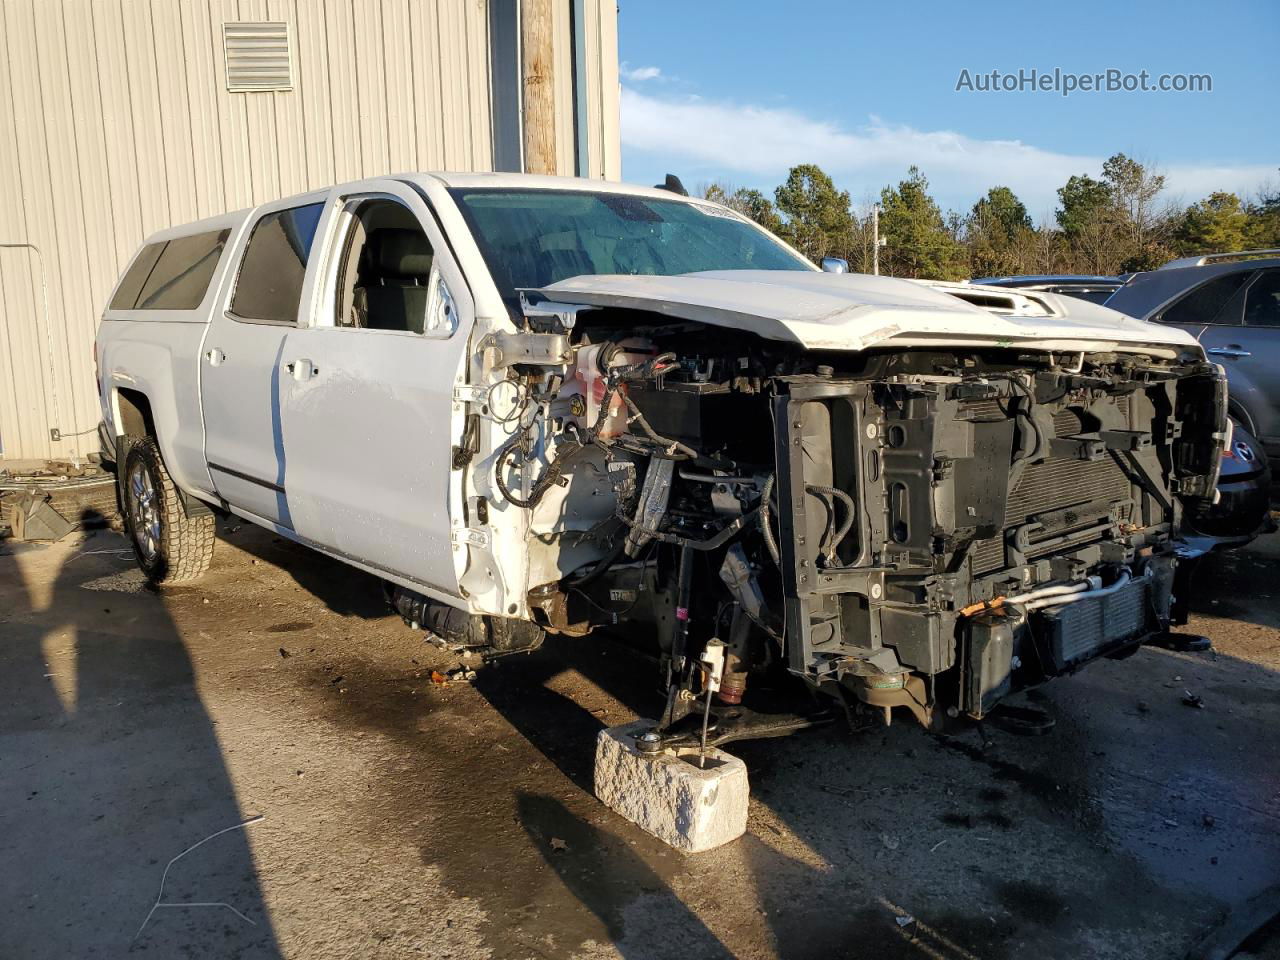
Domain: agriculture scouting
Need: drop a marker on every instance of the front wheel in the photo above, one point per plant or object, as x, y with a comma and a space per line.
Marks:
171, 546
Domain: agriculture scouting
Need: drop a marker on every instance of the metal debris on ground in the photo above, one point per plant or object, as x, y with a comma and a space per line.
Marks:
81, 494
165, 876
35, 519
125, 555
463, 674
1192, 700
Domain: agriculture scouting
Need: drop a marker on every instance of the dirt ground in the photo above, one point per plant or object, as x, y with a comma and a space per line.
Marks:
400, 818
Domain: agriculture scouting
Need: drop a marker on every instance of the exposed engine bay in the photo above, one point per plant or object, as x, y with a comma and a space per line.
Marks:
927, 529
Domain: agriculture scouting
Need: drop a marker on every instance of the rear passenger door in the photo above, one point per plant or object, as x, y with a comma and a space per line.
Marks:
242, 356
1247, 344
368, 414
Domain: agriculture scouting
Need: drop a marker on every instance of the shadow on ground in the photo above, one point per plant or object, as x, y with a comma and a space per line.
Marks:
1122, 835
1241, 584
97, 698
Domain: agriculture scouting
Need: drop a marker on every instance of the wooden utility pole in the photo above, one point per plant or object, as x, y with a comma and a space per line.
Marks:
539, 103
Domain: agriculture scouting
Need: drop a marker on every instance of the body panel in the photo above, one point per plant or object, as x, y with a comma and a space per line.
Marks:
160, 361
366, 420
1251, 357
826, 311
240, 399
241, 365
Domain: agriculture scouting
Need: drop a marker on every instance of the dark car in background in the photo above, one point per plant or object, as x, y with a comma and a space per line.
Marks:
1230, 302
1082, 286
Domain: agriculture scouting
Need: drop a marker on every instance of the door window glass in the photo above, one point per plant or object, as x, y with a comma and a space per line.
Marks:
1262, 301
1204, 303
275, 264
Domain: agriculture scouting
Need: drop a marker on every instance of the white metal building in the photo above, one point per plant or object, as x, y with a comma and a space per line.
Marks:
122, 117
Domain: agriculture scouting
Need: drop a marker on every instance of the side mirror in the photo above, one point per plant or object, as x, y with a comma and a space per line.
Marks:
834, 265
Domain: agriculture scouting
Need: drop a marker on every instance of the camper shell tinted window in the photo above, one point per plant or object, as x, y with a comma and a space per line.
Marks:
173, 274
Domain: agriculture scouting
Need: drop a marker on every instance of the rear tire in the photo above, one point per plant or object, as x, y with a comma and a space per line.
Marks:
170, 546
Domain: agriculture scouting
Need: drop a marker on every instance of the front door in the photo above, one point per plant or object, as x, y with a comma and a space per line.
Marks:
367, 399
240, 366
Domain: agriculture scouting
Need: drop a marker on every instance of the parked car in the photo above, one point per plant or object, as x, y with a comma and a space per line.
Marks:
1091, 288
537, 404
1231, 303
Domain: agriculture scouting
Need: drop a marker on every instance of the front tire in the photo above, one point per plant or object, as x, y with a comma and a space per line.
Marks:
171, 547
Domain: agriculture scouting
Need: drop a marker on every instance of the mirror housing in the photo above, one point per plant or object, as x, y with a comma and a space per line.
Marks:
834, 265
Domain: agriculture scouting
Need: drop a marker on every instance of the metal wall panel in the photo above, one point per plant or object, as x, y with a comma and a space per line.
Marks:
602, 57
562, 77
116, 121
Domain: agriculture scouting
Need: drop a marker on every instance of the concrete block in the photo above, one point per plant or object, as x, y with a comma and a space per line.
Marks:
667, 795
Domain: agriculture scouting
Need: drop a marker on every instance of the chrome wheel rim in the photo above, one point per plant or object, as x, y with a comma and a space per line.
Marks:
144, 511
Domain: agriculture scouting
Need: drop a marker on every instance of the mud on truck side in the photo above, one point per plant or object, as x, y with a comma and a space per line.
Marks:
930, 520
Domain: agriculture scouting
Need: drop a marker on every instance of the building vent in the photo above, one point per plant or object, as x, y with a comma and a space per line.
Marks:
257, 56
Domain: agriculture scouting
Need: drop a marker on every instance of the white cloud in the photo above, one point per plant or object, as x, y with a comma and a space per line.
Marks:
723, 139
641, 74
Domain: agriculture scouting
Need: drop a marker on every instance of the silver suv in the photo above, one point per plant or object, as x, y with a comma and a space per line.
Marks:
1230, 302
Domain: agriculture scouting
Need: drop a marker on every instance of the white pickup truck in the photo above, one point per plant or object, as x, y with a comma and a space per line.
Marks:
537, 404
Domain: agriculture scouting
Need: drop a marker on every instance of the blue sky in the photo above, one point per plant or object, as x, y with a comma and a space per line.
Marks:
740, 91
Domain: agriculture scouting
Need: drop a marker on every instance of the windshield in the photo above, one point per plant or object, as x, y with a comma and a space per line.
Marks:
532, 238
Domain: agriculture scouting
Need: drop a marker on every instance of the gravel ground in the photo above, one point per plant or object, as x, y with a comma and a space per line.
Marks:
402, 818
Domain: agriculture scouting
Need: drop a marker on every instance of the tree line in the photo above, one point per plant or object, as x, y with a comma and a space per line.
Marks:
1113, 224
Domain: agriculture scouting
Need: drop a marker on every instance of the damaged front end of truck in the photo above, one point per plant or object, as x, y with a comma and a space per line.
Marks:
925, 500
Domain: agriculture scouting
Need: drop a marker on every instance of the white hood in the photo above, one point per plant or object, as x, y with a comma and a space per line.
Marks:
833, 311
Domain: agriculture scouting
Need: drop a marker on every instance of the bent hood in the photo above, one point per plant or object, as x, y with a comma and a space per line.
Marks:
832, 311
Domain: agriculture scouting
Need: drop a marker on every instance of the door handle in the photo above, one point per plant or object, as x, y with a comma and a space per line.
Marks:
215, 357
302, 369
1232, 351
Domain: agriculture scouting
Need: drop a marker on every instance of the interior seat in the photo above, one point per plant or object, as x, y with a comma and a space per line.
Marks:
396, 293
